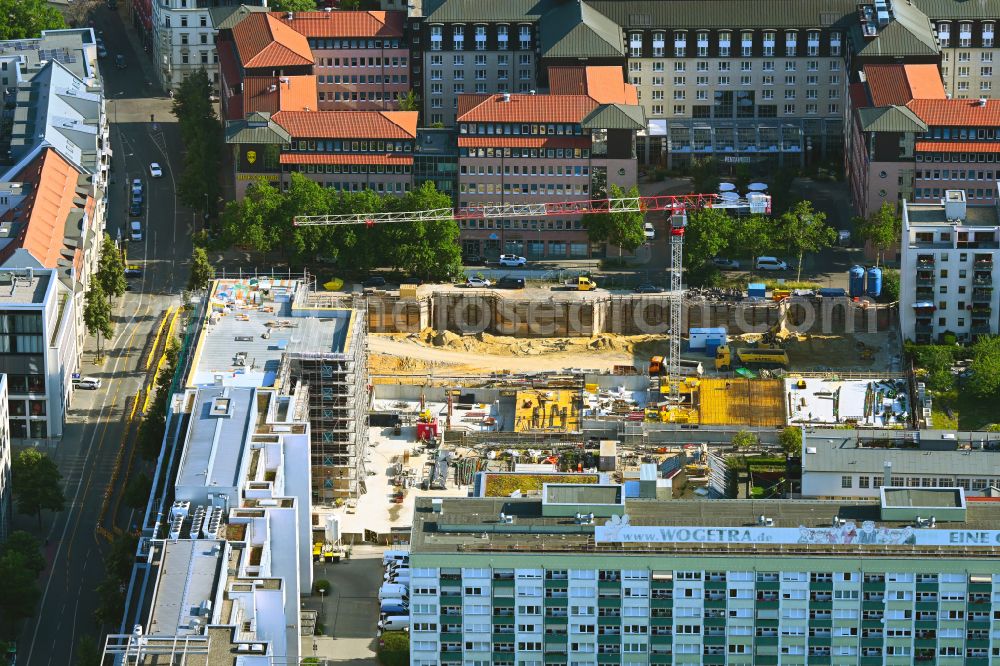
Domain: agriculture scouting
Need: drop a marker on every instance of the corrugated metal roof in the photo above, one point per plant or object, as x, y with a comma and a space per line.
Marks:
224, 18
840, 453
256, 128
576, 30
890, 119
909, 34
646, 14
514, 11
956, 9
615, 116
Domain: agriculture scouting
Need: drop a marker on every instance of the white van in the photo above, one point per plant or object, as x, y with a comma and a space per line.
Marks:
396, 574
394, 623
393, 591
395, 556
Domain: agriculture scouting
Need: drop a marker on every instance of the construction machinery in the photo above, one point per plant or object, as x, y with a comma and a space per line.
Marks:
686, 368
761, 357
580, 283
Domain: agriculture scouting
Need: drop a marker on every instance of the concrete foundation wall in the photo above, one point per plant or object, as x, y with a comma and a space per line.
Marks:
492, 313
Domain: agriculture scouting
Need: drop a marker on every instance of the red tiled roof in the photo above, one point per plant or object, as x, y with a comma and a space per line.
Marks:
44, 212
957, 112
524, 108
326, 158
898, 84
349, 124
523, 142
604, 84
264, 41
345, 23
273, 94
958, 146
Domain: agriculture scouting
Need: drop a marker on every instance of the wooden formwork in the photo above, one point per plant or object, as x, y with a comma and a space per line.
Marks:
744, 402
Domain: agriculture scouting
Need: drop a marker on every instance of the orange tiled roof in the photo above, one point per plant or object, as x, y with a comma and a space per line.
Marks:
273, 93
957, 112
327, 158
264, 41
344, 24
524, 142
604, 84
44, 212
898, 84
958, 146
524, 108
349, 124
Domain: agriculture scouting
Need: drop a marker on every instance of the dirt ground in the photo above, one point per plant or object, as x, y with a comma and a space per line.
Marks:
429, 352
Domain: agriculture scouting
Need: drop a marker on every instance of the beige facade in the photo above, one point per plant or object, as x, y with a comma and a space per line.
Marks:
967, 57
452, 73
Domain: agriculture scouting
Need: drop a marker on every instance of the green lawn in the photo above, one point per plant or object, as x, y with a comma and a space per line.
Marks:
969, 412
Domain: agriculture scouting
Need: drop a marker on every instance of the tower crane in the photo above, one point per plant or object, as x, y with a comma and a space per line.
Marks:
676, 206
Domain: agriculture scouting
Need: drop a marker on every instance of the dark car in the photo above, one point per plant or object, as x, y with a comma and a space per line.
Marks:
648, 288
120, 61
507, 282
374, 282
135, 209
472, 260
133, 272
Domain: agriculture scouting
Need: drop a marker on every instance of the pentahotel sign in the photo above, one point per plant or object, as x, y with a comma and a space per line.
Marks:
618, 530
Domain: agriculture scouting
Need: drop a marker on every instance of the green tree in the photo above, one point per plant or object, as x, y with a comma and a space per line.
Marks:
936, 362
20, 590
806, 230
253, 220
744, 440
154, 423
117, 571
295, 5
709, 234
890, 286
409, 101
25, 19
111, 269
790, 440
704, 176
881, 229
201, 132
97, 314
36, 483
756, 235
87, 653
984, 370
136, 493
429, 250
624, 229
28, 546
202, 271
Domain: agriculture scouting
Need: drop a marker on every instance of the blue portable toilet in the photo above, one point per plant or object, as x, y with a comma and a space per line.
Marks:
856, 281
874, 288
756, 290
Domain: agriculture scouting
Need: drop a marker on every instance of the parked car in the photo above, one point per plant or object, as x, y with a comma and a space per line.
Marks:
844, 238
102, 52
726, 264
649, 230
133, 272
477, 283
120, 61
155, 171
648, 288
394, 623
135, 208
507, 282
770, 264
374, 282
135, 230
472, 260
89, 383
512, 260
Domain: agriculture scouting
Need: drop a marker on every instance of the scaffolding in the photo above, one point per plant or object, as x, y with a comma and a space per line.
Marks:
137, 648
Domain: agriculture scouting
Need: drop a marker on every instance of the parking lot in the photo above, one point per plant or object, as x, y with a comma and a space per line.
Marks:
349, 614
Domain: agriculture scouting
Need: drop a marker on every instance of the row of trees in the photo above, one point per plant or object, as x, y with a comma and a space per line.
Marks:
107, 284
25, 19
201, 132
713, 232
262, 221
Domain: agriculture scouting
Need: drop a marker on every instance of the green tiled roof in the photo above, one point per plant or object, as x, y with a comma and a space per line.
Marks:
615, 116
909, 34
224, 18
955, 9
576, 30
485, 10
256, 128
890, 119
733, 14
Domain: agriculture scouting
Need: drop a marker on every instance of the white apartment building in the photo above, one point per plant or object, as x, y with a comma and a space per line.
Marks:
948, 269
184, 37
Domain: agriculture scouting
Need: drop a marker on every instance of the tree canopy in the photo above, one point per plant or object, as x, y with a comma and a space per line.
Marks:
201, 132
624, 229
97, 316
24, 19
881, 229
37, 484
744, 440
984, 379
790, 440
805, 230
294, 5
202, 271
111, 269
757, 235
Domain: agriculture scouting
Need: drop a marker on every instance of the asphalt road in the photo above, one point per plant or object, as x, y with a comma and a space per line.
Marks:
96, 422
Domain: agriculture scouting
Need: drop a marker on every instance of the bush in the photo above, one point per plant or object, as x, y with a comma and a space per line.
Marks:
394, 648
890, 286
322, 586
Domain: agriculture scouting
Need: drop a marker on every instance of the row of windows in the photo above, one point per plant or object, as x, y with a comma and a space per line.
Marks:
338, 146
17, 407
502, 37
534, 225
745, 80
866, 482
763, 110
517, 170
480, 89
20, 428
937, 193
723, 46
316, 43
481, 60
398, 61
361, 96
377, 186
482, 74
680, 66
532, 189
521, 129
369, 78
963, 86
965, 34
953, 174
529, 153
359, 169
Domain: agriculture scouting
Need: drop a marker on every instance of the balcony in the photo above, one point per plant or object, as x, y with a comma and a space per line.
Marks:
982, 295
925, 260
657, 658
983, 263
981, 643
714, 640
982, 279
923, 327
766, 640
451, 599
926, 605
768, 604
821, 586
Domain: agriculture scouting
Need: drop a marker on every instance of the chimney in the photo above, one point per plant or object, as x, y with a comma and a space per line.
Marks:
886, 473
505, 98
290, 15
954, 205
981, 102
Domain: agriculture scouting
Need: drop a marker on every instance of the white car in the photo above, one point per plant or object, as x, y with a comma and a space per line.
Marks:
155, 171
512, 260
726, 264
477, 283
135, 230
91, 383
770, 264
649, 231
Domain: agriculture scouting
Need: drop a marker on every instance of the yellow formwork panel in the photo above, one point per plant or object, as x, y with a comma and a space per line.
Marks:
750, 402
541, 409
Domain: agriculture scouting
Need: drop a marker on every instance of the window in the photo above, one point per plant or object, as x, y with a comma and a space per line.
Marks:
862, 481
